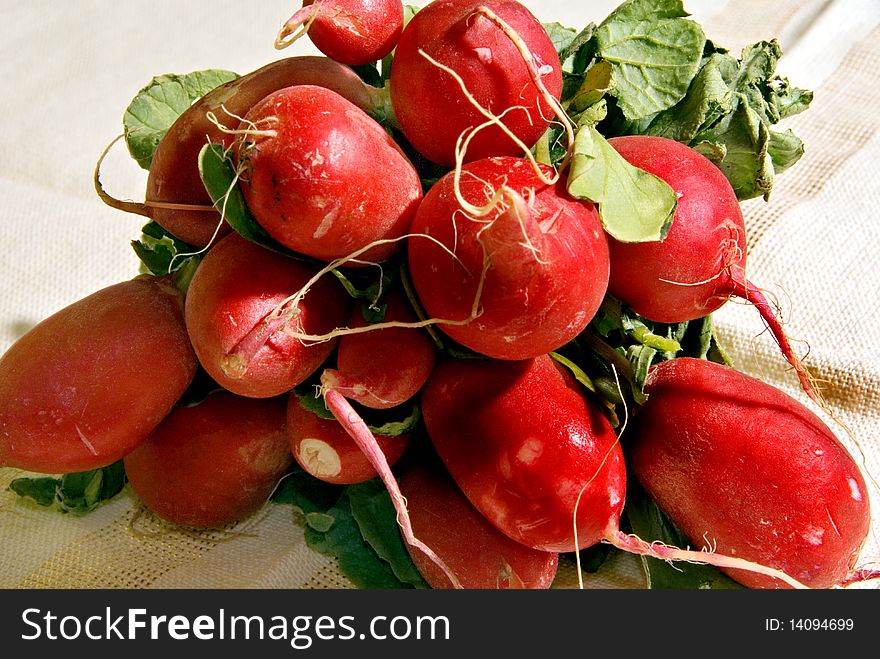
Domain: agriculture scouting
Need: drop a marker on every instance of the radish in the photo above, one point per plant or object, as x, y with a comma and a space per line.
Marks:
504, 60
385, 367
324, 449
86, 385
522, 279
738, 463
537, 459
353, 32
481, 556
175, 196
702, 261
308, 161
240, 327
212, 464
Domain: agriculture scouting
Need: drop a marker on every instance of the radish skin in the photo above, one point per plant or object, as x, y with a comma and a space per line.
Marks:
89, 383
525, 277
538, 465
701, 263
740, 463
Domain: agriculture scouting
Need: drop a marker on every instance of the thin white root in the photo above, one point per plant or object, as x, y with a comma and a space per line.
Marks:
493, 120
297, 25
536, 75
577, 554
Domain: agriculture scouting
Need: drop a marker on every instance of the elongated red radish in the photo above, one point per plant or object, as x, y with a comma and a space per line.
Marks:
738, 463
386, 367
431, 107
214, 463
479, 554
175, 196
538, 460
325, 450
353, 32
530, 273
309, 159
701, 263
238, 324
86, 385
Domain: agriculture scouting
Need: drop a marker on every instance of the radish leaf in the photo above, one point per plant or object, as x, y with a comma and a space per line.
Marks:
158, 105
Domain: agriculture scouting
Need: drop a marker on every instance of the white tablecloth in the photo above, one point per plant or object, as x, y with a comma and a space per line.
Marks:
68, 70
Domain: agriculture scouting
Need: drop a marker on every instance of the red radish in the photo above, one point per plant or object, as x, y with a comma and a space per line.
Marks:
88, 384
464, 36
522, 443
212, 464
353, 32
238, 321
479, 554
176, 198
324, 449
522, 280
743, 466
537, 459
309, 159
702, 261
385, 367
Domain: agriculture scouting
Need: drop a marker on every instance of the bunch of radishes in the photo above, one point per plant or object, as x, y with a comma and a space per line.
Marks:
295, 310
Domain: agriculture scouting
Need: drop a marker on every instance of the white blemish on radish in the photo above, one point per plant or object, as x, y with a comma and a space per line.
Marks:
813, 535
85, 441
504, 466
319, 458
530, 450
327, 222
818, 452
854, 489
484, 54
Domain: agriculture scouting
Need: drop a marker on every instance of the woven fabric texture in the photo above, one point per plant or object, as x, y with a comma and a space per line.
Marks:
69, 70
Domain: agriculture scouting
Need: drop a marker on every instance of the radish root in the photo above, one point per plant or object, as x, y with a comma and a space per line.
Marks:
297, 25
356, 428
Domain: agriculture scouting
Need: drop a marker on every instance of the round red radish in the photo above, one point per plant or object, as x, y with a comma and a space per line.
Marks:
238, 326
536, 267
431, 107
479, 554
385, 367
174, 183
310, 161
353, 32
324, 449
526, 449
742, 467
86, 385
212, 464
702, 261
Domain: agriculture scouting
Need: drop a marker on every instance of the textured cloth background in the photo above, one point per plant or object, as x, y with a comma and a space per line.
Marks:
70, 69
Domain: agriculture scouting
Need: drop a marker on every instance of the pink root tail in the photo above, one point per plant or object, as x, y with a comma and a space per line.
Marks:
748, 291
635, 545
354, 425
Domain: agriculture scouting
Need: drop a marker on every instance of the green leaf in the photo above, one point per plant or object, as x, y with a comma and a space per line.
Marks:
377, 520
158, 105
593, 86
76, 493
343, 540
161, 253
391, 422
306, 493
655, 52
634, 206
217, 170
42, 489
651, 524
